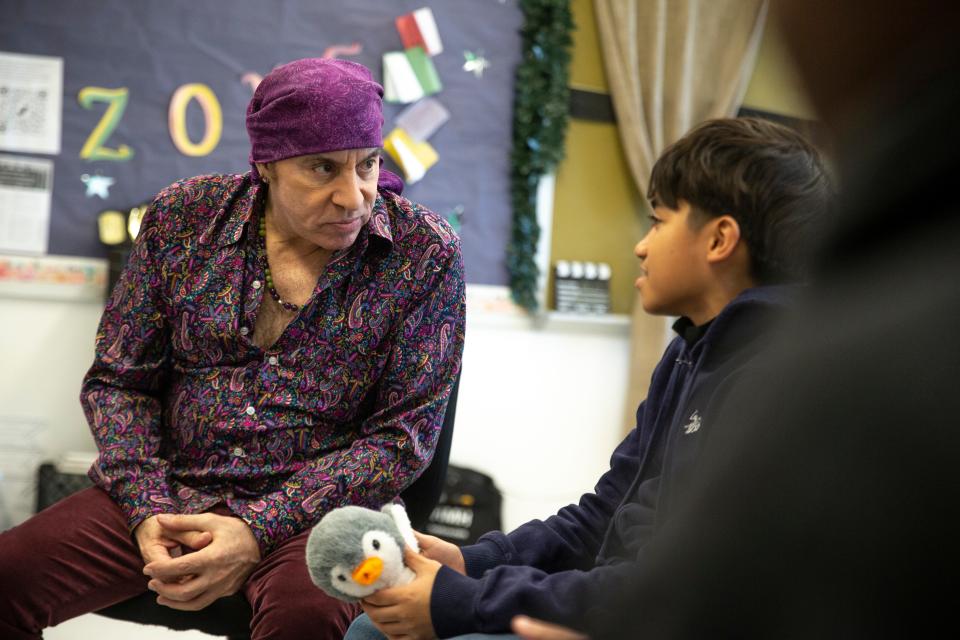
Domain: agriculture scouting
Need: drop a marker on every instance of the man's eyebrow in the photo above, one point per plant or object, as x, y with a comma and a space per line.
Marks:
319, 157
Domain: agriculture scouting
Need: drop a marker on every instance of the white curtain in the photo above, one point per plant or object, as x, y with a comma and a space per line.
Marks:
671, 64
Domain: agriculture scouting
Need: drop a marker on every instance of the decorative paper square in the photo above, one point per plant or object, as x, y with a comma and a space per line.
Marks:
419, 29
422, 119
413, 157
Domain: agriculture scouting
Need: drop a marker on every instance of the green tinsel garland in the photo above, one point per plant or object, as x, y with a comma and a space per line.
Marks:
540, 111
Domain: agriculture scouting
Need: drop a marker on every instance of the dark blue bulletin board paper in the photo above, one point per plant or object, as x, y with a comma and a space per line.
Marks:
152, 47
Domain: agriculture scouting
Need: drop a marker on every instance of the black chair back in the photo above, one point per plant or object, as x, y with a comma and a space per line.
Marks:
424, 493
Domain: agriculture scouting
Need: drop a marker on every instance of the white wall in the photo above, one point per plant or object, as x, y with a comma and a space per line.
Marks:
45, 349
540, 405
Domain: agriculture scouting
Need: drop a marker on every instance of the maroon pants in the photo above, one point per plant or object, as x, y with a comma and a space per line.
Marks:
77, 556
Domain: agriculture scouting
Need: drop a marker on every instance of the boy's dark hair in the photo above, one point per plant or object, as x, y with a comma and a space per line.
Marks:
766, 176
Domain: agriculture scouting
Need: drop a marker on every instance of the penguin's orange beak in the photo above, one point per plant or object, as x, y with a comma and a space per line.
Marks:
368, 571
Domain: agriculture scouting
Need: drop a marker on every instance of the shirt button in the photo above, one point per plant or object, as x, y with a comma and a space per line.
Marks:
256, 284
273, 360
251, 411
244, 331
238, 452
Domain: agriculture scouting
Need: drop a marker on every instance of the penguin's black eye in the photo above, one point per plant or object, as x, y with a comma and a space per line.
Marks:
342, 578
376, 544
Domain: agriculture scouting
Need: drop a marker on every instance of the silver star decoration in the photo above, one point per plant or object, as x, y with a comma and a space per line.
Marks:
475, 63
97, 185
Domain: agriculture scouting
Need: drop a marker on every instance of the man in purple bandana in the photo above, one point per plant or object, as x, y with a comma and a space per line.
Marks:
281, 343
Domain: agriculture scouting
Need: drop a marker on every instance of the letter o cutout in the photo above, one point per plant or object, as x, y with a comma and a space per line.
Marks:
212, 115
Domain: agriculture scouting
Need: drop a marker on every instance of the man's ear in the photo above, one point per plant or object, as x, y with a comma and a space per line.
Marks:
724, 238
266, 171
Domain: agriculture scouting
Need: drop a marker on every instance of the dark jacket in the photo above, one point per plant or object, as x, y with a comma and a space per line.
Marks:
570, 563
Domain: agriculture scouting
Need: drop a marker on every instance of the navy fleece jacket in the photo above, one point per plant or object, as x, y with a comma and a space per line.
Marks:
562, 569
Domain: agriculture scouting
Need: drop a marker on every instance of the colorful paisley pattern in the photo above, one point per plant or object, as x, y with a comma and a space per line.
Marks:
345, 408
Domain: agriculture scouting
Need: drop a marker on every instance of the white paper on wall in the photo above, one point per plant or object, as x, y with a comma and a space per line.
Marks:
26, 189
31, 97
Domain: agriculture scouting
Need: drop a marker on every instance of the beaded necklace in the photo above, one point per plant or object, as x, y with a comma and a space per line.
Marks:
289, 306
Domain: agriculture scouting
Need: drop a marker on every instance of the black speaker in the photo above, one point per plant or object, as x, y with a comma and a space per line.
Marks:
54, 485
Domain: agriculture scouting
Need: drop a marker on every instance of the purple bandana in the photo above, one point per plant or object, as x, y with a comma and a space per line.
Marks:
316, 105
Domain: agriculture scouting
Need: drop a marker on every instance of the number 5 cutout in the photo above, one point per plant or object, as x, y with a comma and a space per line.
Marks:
116, 99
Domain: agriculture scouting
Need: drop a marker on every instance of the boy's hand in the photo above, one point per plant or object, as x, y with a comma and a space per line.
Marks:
531, 629
405, 611
441, 551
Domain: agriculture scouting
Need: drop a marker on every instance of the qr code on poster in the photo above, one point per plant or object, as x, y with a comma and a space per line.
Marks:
22, 110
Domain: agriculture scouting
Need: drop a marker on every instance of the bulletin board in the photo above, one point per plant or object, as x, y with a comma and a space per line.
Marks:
124, 64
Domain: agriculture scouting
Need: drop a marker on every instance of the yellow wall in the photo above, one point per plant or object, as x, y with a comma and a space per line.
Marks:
597, 209
586, 66
775, 85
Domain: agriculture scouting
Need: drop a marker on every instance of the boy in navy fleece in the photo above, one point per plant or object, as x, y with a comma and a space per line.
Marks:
737, 204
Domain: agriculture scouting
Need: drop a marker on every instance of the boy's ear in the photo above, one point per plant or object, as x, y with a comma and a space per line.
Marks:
724, 238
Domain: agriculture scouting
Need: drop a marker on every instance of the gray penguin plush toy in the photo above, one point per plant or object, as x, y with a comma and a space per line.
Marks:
353, 551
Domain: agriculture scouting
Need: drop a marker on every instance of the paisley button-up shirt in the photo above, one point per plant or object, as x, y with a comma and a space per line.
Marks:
345, 408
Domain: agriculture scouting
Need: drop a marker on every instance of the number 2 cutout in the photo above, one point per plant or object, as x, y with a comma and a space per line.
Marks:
116, 100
